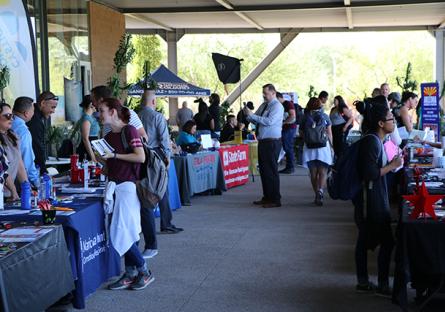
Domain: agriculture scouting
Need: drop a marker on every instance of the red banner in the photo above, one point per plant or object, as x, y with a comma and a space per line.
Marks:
235, 163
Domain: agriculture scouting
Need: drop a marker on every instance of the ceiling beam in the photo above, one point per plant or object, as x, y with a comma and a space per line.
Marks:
145, 19
442, 25
196, 31
246, 18
278, 7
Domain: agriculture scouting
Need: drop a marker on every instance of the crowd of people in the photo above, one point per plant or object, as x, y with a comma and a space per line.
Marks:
277, 122
23, 137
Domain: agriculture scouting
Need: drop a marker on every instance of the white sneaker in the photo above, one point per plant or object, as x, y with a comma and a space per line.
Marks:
149, 253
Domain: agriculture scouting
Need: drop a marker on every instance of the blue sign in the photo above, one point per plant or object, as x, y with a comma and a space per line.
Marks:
430, 107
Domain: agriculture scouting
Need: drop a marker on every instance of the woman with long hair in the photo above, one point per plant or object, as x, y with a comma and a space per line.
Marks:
11, 146
317, 159
203, 119
372, 210
214, 110
123, 167
341, 119
89, 129
404, 114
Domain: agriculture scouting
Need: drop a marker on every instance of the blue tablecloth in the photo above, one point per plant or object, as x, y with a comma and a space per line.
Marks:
93, 261
198, 173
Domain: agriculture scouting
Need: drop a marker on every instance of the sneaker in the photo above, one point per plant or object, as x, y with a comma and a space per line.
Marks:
123, 283
143, 280
319, 198
384, 291
368, 287
149, 253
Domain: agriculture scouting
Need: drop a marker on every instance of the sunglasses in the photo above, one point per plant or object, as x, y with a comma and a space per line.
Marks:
8, 116
389, 119
55, 98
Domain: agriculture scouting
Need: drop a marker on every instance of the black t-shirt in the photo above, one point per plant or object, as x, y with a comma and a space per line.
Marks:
204, 123
214, 111
227, 133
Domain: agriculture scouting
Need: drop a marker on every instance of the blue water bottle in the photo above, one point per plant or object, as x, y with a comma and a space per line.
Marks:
48, 186
25, 195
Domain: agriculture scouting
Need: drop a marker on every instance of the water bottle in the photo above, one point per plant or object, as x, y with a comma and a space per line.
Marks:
85, 174
25, 195
47, 189
42, 188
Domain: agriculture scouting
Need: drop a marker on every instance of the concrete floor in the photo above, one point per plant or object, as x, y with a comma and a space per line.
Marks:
234, 256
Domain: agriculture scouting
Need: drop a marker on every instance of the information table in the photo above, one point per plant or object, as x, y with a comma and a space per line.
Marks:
38, 273
198, 173
93, 259
235, 162
420, 250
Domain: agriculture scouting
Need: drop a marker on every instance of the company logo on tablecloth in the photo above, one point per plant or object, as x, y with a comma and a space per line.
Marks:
230, 157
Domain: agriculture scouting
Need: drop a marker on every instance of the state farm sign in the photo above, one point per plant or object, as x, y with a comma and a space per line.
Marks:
235, 161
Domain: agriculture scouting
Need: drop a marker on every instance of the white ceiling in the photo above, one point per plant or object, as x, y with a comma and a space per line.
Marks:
265, 15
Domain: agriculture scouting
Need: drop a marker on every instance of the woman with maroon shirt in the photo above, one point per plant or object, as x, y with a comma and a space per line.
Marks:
123, 170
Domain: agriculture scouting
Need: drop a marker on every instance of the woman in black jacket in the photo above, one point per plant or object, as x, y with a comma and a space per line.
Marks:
372, 211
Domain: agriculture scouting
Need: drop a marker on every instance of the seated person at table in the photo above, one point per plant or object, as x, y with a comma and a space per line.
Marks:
11, 145
187, 139
228, 131
374, 223
123, 167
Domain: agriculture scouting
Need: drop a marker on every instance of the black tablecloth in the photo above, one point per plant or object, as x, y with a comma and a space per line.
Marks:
198, 173
36, 275
420, 252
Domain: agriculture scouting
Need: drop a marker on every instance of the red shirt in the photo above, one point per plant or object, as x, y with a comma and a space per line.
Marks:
120, 170
287, 107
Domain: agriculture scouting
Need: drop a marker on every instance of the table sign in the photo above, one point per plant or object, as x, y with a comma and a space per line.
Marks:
430, 107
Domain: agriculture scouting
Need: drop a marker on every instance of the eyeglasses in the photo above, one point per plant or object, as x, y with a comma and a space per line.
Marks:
8, 116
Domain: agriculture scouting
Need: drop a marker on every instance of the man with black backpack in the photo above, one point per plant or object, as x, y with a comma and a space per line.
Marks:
158, 138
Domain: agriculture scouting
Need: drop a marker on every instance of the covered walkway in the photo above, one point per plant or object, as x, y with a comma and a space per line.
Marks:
237, 257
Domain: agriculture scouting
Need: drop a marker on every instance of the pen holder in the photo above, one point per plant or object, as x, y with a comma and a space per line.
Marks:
48, 216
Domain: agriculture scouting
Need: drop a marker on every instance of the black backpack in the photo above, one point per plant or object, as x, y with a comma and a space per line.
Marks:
153, 181
314, 132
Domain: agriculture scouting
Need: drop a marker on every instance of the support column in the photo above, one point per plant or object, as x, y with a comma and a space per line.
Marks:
286, 39
172, 38
440, 59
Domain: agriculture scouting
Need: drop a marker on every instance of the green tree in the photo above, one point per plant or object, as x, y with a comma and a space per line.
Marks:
148, 48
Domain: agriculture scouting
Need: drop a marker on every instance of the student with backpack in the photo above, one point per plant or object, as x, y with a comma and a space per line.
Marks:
372, 211
317, 151
121, 200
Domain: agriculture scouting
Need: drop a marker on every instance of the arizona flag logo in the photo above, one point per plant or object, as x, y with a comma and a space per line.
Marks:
430, 91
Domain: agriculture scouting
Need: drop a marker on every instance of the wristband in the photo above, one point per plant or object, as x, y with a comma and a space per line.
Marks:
114, 157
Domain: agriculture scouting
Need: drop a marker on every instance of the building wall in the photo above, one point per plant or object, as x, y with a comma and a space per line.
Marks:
106, 29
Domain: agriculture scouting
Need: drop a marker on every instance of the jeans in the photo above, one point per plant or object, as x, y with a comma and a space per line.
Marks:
288, 139
133, 257
268, 152
148, 225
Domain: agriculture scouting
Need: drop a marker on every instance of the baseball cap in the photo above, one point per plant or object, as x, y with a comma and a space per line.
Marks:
395, 96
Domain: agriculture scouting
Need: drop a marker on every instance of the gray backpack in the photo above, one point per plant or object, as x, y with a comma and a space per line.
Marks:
153, 181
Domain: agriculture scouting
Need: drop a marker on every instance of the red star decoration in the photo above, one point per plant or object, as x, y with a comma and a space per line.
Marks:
422, 202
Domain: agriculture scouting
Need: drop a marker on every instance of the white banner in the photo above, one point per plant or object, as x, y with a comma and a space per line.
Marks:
16, 50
